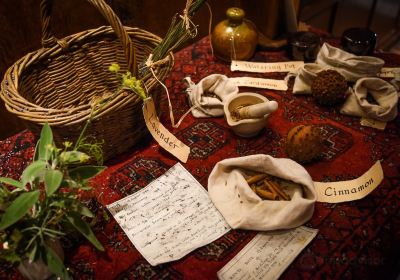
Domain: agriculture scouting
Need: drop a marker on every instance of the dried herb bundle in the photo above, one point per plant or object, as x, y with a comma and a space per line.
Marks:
180, 30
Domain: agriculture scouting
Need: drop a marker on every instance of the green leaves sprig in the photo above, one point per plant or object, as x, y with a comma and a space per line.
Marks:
44, 204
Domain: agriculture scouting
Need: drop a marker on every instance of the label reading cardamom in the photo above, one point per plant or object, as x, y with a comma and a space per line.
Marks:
260, 83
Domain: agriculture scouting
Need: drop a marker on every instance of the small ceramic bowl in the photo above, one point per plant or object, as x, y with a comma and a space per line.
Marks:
244, 127
359, 41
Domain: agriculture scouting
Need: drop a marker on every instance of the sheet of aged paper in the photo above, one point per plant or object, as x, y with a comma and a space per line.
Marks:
170, 217
267, 255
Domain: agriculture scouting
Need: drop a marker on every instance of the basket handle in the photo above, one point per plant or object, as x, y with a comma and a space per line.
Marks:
49, 40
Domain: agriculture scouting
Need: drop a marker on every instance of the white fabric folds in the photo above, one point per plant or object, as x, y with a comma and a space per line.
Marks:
243, 209
352, 67
208, 96
384, 94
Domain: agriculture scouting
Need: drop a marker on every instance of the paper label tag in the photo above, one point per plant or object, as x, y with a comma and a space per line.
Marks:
342, 191
390, 72
266, 67
373, 123
163, 137
260, 83
267, 255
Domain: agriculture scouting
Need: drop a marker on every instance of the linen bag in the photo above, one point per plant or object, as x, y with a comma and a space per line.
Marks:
208, 96
384, 93
352, 67
243, 209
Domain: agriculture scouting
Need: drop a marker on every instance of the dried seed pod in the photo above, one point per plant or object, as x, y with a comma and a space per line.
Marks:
329, 88
304, 143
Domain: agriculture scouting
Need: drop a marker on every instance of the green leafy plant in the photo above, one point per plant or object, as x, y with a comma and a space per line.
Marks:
44, 205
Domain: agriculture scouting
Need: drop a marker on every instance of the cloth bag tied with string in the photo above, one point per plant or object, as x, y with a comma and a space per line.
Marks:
244, 209
208, 96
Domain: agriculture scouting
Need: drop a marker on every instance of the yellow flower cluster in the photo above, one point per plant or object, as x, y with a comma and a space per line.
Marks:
129, 81
134, 84
114, 68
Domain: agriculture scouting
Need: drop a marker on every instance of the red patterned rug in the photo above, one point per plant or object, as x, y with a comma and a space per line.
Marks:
356, 240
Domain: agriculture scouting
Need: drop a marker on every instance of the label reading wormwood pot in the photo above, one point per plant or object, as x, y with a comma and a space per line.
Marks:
163, 137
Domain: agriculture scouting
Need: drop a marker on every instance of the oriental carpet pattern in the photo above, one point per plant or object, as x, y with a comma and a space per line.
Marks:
356, 240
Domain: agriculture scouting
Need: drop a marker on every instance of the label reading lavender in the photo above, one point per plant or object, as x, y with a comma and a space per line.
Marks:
170, 217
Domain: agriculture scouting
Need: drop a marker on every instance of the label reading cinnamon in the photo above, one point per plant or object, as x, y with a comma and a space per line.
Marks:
266, 67
260, 83
163, 137
334, 192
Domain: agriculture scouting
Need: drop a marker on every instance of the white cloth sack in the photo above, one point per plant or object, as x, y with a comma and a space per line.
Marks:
351, 66
208, 96
243, 209
384, 93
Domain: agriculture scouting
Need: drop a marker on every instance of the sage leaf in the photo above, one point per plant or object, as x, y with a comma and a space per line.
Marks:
46, 138
85, 229
32, 171
55, 264
72, 205
18, 208
11, 182
85, 172
52, 180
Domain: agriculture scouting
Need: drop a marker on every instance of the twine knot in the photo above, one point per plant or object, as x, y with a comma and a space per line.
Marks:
190, 27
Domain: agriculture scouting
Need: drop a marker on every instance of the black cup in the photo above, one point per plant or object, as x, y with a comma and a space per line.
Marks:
303, 45
359, 41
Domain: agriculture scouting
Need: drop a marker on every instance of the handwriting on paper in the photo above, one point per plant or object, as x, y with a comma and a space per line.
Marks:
267, 255
170, 217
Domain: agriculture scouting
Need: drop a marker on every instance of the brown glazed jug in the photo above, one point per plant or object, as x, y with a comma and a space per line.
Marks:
234, 38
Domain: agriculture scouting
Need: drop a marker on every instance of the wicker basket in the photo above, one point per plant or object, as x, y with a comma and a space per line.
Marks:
58, 83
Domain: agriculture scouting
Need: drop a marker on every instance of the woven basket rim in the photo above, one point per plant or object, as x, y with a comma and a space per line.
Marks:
17, 104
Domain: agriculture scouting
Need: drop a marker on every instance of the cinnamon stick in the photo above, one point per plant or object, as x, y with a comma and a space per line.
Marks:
266, 194
277, 189
256, 178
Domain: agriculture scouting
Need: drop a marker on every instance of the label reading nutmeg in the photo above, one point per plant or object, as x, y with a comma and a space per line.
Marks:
266, 67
